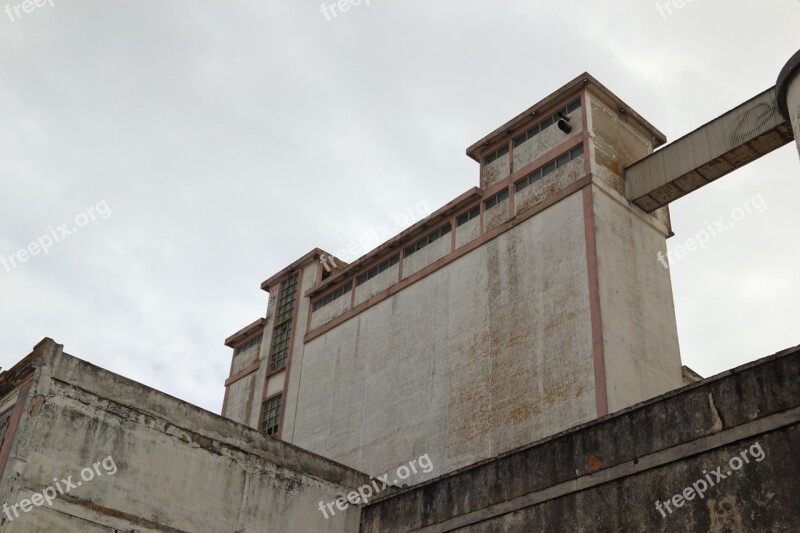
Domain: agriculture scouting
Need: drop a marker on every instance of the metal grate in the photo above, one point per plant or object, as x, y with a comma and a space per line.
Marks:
279, 352
286, 300
280, 346
271, 415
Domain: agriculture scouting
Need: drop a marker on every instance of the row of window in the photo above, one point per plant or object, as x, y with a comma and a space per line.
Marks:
544, 170
546, 123
388, 263
335, 295
462, 219
425, 241
246, 346
377, 269
271, 415
497, 154
496, 199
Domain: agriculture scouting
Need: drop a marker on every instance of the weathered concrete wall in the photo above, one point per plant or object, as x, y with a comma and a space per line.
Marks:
242, 398
495, 171
495, 215
468, 231
607, 475
616, 143
422, 258
175, 468
640, 335
490, 352
242, 394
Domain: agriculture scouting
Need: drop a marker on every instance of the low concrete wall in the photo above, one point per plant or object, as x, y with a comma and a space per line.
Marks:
608, 475
154, 463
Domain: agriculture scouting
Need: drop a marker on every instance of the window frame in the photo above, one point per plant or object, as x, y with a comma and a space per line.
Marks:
277, 410
284, 324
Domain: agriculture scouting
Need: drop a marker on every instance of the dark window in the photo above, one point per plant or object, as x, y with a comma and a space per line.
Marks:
377, 269
540, 172
247, 345
573, 106
533, 131
331, 296
497, 154
469, 215
271, 415
530, 179
425, 241
497, 198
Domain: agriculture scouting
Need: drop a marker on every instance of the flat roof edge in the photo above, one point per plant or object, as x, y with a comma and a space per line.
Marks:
580, 82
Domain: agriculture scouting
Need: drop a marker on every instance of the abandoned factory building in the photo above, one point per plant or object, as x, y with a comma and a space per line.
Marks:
508, 363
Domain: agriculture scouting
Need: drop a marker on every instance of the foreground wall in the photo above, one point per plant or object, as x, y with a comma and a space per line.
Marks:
141, 461
733, 438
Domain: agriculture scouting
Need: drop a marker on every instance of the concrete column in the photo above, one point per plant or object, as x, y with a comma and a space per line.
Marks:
788, 87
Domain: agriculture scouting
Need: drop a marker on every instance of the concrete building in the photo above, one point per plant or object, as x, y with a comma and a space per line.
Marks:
521, 340
521, 308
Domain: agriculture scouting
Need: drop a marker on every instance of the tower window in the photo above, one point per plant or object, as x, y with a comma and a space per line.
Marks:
497, 198
544, 170
495, 155
539, 127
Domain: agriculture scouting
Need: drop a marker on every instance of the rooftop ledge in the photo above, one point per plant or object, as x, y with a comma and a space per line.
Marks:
539, 109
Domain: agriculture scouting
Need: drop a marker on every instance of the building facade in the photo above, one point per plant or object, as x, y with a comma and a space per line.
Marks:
523, 307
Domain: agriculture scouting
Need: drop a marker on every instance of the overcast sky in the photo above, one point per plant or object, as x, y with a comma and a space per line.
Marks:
203, 146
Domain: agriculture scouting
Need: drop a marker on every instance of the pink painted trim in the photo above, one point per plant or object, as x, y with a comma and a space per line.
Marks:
244, 373
598, 348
